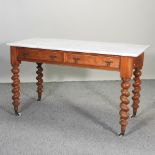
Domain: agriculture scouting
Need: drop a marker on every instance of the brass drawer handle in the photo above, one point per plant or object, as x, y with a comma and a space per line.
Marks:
108, 62
24, 54
76, 59
53, 57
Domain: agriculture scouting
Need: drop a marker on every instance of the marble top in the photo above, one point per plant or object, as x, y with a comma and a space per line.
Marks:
121, 49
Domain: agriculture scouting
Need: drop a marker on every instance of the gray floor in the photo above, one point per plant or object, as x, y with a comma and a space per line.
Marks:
75, 118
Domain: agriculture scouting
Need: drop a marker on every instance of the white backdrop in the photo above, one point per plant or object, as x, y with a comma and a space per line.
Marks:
131, 21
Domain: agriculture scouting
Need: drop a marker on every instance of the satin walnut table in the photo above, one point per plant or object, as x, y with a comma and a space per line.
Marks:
123, 58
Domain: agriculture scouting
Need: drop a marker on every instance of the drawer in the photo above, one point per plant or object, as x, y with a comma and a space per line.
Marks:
40, 55
108, 61
105, 61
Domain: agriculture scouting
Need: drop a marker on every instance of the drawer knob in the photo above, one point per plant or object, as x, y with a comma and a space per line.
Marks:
53, 57
108, 62
76, 59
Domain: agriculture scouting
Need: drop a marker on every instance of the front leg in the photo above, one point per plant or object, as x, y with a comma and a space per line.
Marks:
124, 104
16, 88
39, 80
126, 68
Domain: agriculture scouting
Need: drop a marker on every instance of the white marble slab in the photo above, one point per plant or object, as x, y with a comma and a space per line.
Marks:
121, 49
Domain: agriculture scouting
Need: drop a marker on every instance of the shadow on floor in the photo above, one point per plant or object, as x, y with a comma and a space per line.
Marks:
91, 117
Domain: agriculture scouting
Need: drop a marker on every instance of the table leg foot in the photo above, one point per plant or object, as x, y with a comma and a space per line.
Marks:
39, 98
18, 114
133, 116
121, 134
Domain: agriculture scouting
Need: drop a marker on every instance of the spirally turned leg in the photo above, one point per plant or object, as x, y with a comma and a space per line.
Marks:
124, 105
136, 91
16, 88
39, 80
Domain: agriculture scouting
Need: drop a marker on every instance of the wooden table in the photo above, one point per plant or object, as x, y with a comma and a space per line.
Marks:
123, 58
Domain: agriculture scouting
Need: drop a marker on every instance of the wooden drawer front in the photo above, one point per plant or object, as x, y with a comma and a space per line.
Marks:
93, 60
108, 61
82, 59
42, 55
